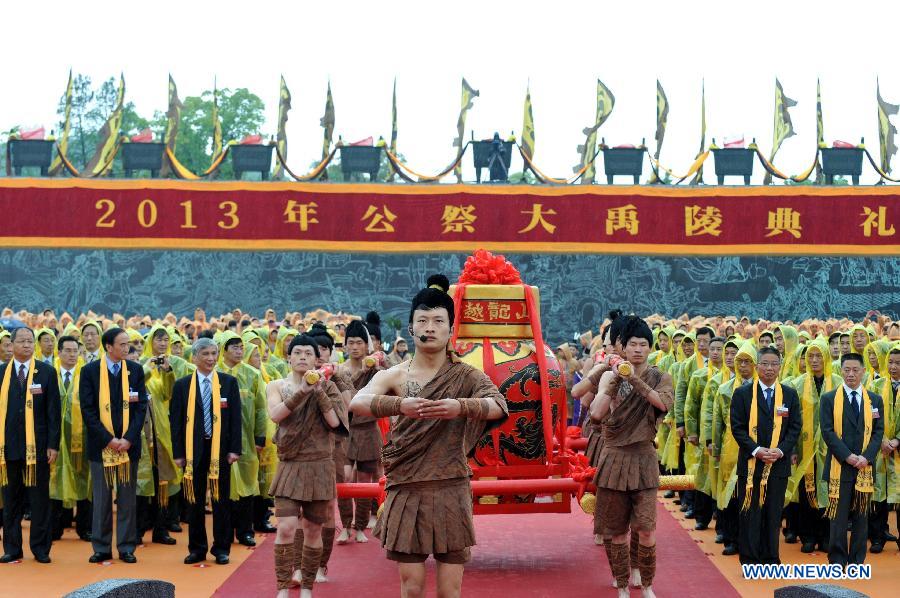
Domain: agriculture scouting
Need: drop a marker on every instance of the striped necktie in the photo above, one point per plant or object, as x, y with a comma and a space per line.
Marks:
68, 380
206, 391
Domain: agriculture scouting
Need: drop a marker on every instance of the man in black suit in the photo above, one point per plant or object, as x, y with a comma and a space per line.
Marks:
760, 524
115, 343
40, 388
206, 354
848, 449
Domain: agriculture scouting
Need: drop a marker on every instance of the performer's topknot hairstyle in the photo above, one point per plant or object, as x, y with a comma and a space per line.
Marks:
373, 324
634, 327
433, 297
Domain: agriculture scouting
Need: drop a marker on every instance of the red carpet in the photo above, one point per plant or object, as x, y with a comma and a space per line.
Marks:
517, 555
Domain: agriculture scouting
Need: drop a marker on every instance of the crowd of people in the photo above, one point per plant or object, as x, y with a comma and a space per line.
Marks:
166, 418
785, 428
782, 427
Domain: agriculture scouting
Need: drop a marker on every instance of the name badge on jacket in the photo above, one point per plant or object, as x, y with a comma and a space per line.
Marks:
875, 413
223, 402
36, 389
132, 397
782, 411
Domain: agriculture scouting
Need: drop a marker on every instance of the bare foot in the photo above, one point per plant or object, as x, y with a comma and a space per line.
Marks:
296, 579
304, 593
344, 536
635, 578
361, 536
372, 521
623, 593
614, 584
321, 576
647, 592
598, 539
283, 594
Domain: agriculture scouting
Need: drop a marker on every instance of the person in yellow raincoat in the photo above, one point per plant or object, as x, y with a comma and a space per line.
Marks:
668, 363
245, 472
267, 366
5, 346
806, 490
70, 478
279, 354
268, 457
664, 350
89, 334
696, 461
46, 347
696, 361
787, 341
158, 475
710, 485
725, 447
859, 340
884, 380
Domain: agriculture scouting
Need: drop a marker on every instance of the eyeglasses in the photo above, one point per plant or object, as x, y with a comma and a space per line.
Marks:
769, 364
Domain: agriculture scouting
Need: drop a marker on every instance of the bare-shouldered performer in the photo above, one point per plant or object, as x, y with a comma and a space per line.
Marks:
440, 408
306, 414
630, 402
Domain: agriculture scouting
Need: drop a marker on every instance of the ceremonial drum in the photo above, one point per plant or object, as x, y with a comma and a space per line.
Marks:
496, 334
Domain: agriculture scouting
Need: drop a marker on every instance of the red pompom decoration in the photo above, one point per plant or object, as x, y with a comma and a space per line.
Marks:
573, 431
483, 267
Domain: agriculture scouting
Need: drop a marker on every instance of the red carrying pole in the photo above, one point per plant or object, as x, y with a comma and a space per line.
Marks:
479, 487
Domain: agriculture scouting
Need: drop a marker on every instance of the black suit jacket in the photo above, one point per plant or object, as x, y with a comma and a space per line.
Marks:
740, 427
89, 391
850, 442
231, 417
47, 412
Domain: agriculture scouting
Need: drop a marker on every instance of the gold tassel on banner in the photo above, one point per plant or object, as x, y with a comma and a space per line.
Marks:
162, 494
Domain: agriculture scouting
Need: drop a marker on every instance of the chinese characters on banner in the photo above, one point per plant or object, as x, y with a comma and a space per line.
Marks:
396, 218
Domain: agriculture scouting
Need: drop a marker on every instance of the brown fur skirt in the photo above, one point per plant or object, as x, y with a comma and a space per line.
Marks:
427, 517
304, 480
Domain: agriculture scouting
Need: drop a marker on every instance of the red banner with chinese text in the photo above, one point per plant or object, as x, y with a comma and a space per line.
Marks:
165, 214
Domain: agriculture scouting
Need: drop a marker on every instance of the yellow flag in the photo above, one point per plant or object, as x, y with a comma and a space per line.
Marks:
217, 126
605, 103
698, 178
56, 166
886, 130
394, 120
108, 137
327, 123
528, 126
783, 128
284, 104
173, 118
662, 118
466, 101
820, 130
393, 146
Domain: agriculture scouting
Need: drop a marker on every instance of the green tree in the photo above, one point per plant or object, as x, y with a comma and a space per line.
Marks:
90, 109
241, 114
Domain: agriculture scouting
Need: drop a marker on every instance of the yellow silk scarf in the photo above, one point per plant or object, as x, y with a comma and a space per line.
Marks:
30, 444
865, 484
116, 465
213, 476
776, 434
